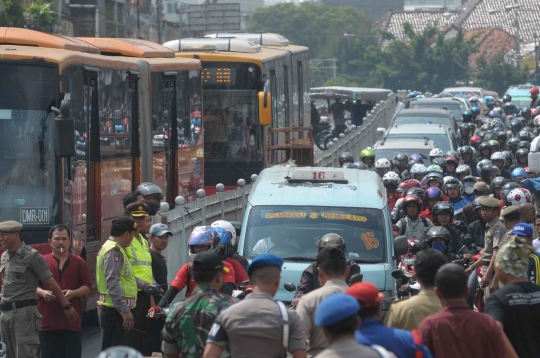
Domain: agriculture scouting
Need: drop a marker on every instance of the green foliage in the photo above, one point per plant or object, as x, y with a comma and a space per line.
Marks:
40, 17
13, 13
498, 75
322, 28
341, 80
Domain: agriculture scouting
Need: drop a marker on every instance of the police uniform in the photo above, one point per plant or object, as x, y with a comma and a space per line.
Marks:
20, 319
117, 290
495, 230
141, 262
335, 309
255, 326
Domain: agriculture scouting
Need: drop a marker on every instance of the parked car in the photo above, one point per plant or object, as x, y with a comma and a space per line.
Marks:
426, 115
389, 149
441, 134
455, 105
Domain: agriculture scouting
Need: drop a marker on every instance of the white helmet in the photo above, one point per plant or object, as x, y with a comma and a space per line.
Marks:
519, 196
446, 178
227, 226
463, 169
418, 169
391, 177
436, 153
473, 99
498, 156
383, 163
434, 168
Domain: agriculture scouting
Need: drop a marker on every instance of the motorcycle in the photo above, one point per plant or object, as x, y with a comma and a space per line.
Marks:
320, 132
476, 252
412, 288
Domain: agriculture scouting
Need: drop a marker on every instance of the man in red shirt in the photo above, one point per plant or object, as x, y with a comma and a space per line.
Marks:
445, 333
59, 337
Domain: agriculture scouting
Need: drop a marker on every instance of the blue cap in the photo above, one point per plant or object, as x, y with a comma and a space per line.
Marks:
159, 230
522, 229
336, 308
264, 260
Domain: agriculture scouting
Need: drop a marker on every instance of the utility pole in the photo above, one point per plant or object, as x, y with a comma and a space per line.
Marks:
159, 21
138, 17
518, 41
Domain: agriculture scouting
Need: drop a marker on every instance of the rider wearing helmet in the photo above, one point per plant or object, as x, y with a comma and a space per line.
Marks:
454, 190
498, 159
485, 150
522, 158
494, 144
439, 238
451, 166
467, 154
391, 182
475, 112
508, 161
396, 167
412, 225
513, 144
490, 102
367, 156
231, 254
202, 239
418, 172
440, 162
489, 172
404, 165
345, 157
464, 134
435, 153
501, 138
519, 196
383, 166
462, 171
509, 109
467, 117
497, 185
475, 141
431, 197
468, 187
417, 157
535, 102
310, 279
443, 215
152, 195
524, 135
434, 180
506, 99
518, 175
403, 187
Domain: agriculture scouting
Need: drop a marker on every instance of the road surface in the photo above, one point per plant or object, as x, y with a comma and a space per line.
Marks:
91, 340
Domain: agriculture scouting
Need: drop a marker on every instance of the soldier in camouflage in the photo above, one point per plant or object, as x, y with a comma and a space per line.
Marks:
188, 324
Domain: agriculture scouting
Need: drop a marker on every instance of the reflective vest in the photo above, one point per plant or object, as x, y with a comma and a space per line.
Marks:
128, 283
140, 258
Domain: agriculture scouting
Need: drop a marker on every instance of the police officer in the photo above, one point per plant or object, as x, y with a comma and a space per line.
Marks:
309, 280
256, 325
116, 284
495, 231
141, 261
22, 268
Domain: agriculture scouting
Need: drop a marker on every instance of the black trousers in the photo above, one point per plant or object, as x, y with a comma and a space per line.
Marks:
137, 337
154, 335
60, 344
112, 328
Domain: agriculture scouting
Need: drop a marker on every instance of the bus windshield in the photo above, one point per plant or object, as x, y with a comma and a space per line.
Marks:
232, 134
293, 232
27, 161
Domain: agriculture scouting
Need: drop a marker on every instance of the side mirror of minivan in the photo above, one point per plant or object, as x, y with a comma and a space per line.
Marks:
401, 246
64, 131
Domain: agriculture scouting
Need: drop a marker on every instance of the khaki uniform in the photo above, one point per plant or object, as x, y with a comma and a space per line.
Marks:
407, 313
21, 270
495, 231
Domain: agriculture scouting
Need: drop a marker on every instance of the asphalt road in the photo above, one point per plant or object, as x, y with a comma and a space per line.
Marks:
91, 340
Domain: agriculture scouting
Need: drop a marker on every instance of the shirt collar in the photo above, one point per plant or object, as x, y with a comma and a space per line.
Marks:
335, 282
370, 322
258, 295
430, 293
19, 250
203, 288
456, 305
492, 221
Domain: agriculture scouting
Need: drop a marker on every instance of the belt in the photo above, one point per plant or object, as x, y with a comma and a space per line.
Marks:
8, 306
485, 263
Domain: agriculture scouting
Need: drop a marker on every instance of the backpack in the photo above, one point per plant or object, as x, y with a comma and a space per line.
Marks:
404, 224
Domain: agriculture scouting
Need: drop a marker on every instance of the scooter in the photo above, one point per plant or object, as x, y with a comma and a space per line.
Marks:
413, 287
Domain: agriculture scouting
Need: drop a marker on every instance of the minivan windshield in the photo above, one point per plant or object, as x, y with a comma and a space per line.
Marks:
293, 232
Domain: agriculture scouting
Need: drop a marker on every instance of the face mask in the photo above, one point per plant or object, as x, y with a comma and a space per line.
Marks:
439, 246
391, 186
153, 208
469, 188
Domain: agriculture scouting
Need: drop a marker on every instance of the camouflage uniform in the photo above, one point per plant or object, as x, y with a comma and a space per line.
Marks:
188, 324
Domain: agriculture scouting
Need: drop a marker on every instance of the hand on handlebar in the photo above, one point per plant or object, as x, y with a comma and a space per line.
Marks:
153, 310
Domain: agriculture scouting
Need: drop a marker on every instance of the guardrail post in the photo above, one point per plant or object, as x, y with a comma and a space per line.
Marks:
180, 202
254, 178
220, 189
200, 199
242, 184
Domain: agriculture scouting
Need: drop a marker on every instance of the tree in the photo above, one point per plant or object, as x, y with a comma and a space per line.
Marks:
498, 75
13, 14
340, 32
40, 17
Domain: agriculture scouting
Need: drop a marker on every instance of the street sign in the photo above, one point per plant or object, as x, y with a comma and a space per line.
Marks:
206, 18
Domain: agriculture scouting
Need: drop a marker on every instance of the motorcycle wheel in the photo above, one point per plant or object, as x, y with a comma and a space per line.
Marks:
319, 142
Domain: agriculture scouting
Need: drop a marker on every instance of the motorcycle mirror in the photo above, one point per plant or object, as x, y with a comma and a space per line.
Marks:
459, 262
289, 286
243, 284
468, 241
397, 273
153, 290
416, 248
401, 246
356, 278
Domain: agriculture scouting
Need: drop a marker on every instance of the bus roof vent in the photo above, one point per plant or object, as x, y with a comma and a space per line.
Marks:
213, 44
26, 37
266, 39
129, 47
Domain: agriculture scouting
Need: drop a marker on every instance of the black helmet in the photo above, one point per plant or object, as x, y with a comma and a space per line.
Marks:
507, 98
515, 126
524, 135
332, 240
482, 146
151, 189
525, 112
438, 231
440, 162
522, 151
345, 157
509, 108
513, 142
501, 134
412, 162
498, 182
524, 144
439, 208
416, 191
487, 170
465, 150
464, 126
401, 156
506, 189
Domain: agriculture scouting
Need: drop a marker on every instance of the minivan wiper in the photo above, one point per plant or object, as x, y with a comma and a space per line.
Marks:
360, 261
299, 258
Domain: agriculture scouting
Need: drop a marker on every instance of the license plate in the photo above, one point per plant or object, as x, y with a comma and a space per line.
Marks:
33, 216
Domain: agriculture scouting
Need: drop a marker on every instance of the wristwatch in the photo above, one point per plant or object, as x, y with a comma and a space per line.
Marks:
68, 306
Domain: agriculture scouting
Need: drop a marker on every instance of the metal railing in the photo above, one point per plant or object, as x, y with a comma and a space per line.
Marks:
224, 205
359, 137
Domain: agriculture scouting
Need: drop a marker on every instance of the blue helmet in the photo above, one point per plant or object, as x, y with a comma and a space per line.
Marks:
203, 236
475, 109
413, 94
489, 100
519, 174
417, 157
225, 248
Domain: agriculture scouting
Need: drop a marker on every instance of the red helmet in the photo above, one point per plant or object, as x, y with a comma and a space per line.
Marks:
534, 91
535, 112
411, 198
407, 184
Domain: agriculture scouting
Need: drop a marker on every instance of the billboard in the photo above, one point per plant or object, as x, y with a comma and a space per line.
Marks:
207, 18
